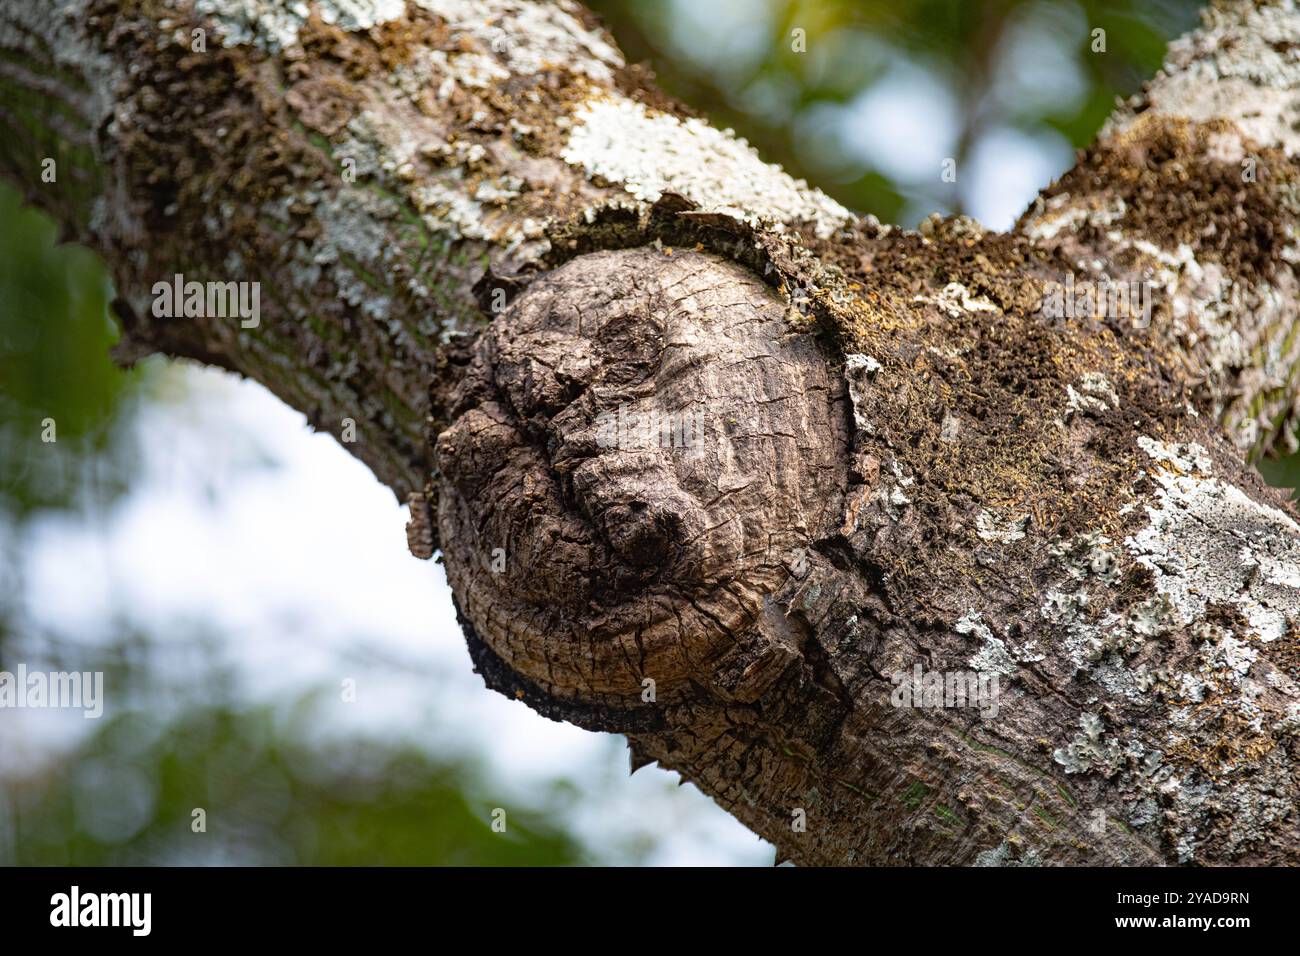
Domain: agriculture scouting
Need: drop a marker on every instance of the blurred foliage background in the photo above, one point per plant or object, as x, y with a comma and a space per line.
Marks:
877, 94
865, 102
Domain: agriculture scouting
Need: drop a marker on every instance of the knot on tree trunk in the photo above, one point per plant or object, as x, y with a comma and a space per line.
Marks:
637, 456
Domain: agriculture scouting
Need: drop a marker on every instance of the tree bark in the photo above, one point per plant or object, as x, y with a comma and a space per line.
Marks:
495, 248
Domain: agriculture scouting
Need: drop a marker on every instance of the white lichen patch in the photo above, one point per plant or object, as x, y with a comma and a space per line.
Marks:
956, 299
1094, 394
450, 205
890, 493
1060, 212
468, 69
531, 37
856, 362
1189, 457
990, 527
1208, 542
993, 657
1241, 331
1232, 655
274, 25
1101, 646
949, 427
859, 370
1241, 67
1088, 555
1089, 751
352, 231
446, 205
514, 37
650, 153
1002, 855
1083, 643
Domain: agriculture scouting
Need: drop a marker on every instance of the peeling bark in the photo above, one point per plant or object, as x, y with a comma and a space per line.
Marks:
496, 248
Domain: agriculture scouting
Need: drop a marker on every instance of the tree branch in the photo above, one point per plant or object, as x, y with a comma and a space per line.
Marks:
898, 461
1192, 187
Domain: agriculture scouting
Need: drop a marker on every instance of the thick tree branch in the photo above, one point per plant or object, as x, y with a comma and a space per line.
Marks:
1192, 187
897, 458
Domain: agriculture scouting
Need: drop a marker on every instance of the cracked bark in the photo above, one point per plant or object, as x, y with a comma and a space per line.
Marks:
484, 238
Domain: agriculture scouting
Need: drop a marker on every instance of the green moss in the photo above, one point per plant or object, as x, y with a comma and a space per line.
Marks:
914, 794
946, 815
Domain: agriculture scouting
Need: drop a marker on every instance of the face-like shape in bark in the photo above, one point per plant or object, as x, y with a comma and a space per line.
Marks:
649, 447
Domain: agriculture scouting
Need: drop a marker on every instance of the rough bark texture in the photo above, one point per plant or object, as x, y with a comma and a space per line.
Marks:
484, 238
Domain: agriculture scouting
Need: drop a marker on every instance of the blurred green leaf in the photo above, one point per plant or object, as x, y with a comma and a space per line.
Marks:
55, 336
128, 796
